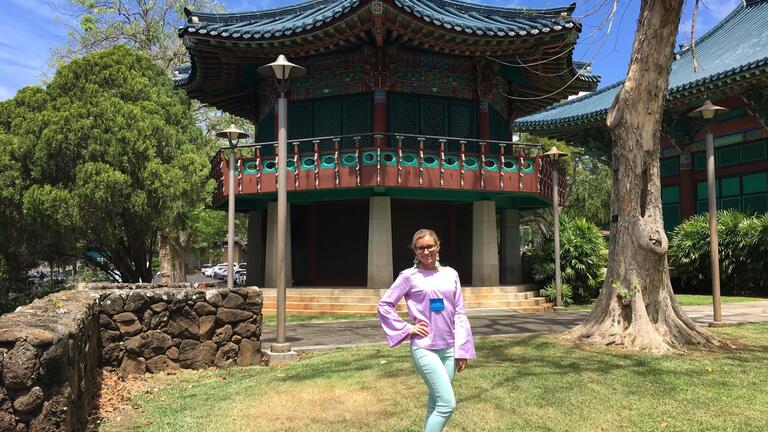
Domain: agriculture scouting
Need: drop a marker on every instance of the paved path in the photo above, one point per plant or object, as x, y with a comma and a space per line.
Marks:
316, 336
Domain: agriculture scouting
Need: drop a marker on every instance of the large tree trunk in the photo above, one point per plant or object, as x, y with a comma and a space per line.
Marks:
636, 307
173, 250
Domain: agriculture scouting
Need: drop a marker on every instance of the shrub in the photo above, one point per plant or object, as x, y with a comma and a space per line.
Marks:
583, 255
742, 247
550, 292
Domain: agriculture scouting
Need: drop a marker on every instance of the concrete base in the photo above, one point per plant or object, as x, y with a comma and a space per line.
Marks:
718, 324
271, 358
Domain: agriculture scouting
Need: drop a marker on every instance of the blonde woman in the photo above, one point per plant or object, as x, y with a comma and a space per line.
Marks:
440, 336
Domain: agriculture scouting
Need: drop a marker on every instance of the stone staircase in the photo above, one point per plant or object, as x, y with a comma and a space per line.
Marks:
363, 301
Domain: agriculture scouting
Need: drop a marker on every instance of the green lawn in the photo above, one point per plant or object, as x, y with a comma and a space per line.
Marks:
524, 383
689, 300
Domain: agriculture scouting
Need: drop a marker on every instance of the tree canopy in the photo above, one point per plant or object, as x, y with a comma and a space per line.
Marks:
106, 156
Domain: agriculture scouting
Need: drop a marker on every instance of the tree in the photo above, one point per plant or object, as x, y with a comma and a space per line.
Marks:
112, 156
148, 26
589, 195
636, 307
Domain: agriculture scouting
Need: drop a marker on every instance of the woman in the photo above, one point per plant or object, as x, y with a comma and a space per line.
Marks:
441, 339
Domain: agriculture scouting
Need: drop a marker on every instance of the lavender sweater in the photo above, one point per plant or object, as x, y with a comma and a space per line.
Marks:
447, 328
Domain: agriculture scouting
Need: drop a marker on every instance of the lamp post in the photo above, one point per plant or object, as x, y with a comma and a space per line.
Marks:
554, 154
233, 135
707, 112
282, 71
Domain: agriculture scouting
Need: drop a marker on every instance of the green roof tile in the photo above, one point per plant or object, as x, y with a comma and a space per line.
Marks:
736, 46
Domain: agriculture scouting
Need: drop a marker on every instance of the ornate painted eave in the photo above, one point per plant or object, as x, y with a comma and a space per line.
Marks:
226, 48
732, 56
307, 17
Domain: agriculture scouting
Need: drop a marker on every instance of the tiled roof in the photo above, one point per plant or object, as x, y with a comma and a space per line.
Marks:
451, 14
735, 47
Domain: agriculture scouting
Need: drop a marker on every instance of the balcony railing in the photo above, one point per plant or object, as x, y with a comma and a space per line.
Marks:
390, 160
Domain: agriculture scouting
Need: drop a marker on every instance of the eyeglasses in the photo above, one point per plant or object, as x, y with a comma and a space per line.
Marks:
428, 248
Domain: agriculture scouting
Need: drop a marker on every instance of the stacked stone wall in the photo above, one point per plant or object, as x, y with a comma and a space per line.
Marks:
49, 353
52, 349
154, 330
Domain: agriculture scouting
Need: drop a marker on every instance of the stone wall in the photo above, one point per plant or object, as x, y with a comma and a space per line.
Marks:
51, 350
49, 353
153, 330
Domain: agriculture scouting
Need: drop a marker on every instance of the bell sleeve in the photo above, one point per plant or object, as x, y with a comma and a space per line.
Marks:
395, 328
464, 344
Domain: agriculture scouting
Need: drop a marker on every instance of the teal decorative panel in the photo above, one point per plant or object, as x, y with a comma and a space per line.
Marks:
462, 120
730, 186
670, 195
753, 151
700, 161
348, 159
357, 118
404, 118
471, 163
669, 167
671, 215
491, 164
727, 156
328, 117
409, 159
510, 165
755, 183
755, 203
733, 203
300, 123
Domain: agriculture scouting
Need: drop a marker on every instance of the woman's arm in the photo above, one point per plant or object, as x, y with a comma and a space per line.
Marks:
464, 347
395, 328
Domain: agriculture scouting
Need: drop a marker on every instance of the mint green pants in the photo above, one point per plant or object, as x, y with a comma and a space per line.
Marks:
437, 368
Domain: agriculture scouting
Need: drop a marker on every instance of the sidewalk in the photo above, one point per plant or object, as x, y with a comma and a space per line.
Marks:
317, 336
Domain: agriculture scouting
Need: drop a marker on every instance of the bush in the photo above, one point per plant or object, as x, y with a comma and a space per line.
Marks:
583, 255
742, 246
550, 292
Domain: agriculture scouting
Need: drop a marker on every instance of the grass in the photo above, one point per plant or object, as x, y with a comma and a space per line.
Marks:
687, 300
521, 383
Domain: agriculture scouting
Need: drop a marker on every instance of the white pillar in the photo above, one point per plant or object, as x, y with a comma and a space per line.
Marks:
511, 264
379, 243
485, 249
270, 264
254, 275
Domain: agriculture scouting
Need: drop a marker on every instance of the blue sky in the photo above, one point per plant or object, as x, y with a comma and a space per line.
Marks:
32, 28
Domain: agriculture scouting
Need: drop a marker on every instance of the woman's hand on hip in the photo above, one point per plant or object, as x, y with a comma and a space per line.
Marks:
420, 329
461, 364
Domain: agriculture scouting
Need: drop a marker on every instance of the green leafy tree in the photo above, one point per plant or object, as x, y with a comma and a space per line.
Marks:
112, 155
589, 195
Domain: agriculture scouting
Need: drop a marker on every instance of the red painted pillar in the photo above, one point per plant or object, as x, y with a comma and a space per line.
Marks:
687, 188
483, 121
380, 111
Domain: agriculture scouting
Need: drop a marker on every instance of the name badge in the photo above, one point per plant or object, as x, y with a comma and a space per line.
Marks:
436, 304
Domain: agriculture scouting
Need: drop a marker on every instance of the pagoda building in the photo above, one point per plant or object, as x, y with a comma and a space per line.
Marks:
401, 122
732, 72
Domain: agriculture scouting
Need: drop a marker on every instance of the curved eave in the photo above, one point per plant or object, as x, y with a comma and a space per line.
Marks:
559, 127
313, 16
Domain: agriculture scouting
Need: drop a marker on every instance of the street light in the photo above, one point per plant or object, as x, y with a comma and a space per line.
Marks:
233, 135
282, 71
707, 112
554, 154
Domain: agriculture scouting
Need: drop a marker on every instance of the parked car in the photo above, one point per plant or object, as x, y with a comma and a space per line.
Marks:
218, 270
240, 274
206, 270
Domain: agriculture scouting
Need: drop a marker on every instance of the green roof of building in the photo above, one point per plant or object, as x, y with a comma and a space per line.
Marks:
453, 15
735, 49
